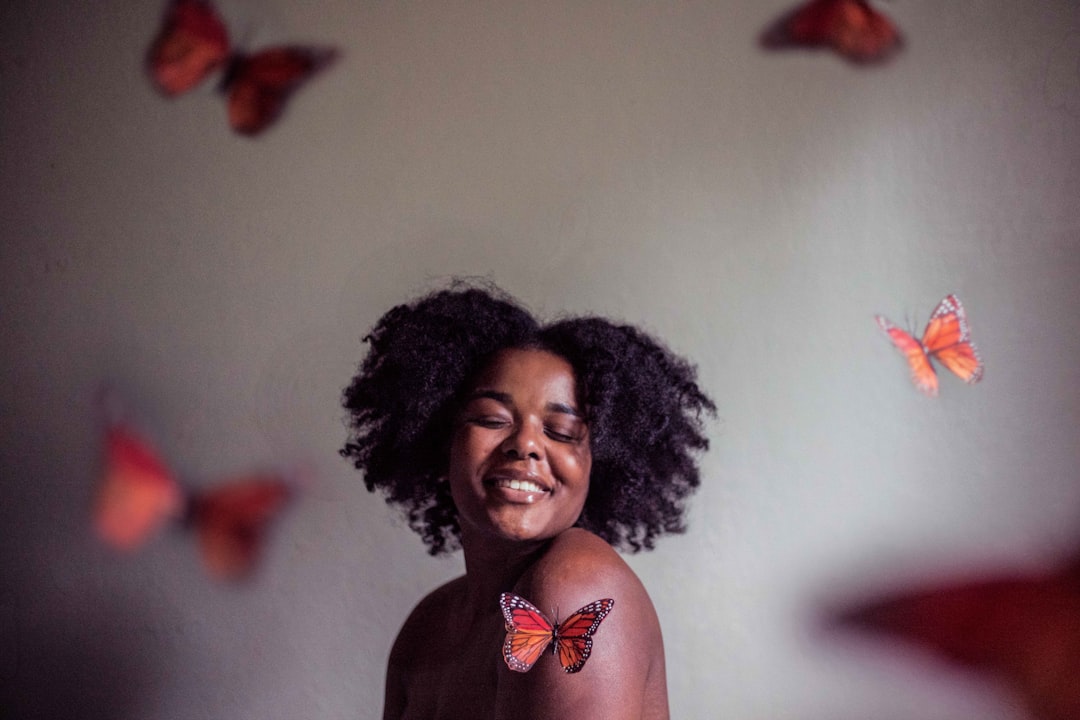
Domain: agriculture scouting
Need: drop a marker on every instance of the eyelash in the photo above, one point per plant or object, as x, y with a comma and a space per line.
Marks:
493, 423
558, 436
488, 422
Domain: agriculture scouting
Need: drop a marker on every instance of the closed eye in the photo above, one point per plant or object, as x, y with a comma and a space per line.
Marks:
488, 421
562, 435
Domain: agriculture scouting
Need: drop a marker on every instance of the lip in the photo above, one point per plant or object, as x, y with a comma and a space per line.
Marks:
498, 483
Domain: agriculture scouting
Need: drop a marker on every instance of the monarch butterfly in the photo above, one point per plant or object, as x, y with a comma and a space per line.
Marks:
529, 632
1023, 628
947, 339
850, 27
138, 495
193, 43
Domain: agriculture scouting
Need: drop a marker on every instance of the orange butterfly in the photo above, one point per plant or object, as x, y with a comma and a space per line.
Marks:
1023, 628
138, 496
850, 27
193, 43
947, 339
529, 633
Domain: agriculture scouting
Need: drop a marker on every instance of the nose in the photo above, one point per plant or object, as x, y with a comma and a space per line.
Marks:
523, 443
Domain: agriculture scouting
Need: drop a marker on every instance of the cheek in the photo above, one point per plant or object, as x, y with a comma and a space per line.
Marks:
582, 481
459, 471
585, 466
576, 468
457, 462
461, 441
468, 449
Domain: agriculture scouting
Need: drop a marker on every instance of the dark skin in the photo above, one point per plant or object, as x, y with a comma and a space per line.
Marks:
519, 473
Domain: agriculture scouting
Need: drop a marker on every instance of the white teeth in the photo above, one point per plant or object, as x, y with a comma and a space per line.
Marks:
515, 484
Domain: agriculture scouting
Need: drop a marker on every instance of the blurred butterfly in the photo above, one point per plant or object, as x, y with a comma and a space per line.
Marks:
1023, 628
947, 339
850, 27
193, 43
138, 495
529, 633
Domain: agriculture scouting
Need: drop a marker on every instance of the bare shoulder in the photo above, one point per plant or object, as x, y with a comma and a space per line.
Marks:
428, 613
412, 641
580, 567
414, 666
623, 677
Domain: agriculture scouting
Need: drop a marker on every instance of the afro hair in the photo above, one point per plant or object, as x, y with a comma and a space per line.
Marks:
642, 404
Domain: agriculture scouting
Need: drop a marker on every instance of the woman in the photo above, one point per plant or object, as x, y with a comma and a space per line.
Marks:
536, 449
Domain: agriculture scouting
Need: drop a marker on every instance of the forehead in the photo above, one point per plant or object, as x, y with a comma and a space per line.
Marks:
529, 371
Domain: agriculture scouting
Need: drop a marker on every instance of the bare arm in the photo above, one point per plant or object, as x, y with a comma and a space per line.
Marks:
623, 677
394, 702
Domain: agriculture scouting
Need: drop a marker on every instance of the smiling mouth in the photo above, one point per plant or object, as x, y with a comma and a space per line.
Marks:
518, 484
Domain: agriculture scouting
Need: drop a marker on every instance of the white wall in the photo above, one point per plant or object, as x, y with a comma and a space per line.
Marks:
638, 159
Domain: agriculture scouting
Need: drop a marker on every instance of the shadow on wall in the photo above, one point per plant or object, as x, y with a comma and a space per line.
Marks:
63, 665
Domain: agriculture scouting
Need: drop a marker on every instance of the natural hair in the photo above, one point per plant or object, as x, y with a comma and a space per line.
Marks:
641, 402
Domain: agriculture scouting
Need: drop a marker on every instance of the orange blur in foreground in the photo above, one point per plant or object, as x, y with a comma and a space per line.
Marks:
1023, 629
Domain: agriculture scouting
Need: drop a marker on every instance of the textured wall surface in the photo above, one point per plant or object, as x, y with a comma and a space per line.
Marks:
642, 160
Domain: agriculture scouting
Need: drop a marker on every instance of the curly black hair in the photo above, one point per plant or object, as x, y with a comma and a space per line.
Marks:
642, 404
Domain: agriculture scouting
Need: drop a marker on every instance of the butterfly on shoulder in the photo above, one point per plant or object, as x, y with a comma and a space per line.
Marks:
138, 495
1023, 628
193, 43
529, 633
947, 339
852, 28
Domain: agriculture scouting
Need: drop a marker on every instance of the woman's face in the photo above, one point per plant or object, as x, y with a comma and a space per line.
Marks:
519, 457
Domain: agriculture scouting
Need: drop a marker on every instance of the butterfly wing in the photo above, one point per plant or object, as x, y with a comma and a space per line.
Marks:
231, 522
573, 636
528, 632
192, 43
258, 85
1023, 629
137, 493
850, 27
922, 372
948, 340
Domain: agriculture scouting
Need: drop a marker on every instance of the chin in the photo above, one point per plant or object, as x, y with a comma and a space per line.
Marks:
519, 532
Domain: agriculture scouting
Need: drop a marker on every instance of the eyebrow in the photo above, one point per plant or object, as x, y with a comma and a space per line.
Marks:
505, 399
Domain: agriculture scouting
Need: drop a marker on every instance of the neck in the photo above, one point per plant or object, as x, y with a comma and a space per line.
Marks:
494, 566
